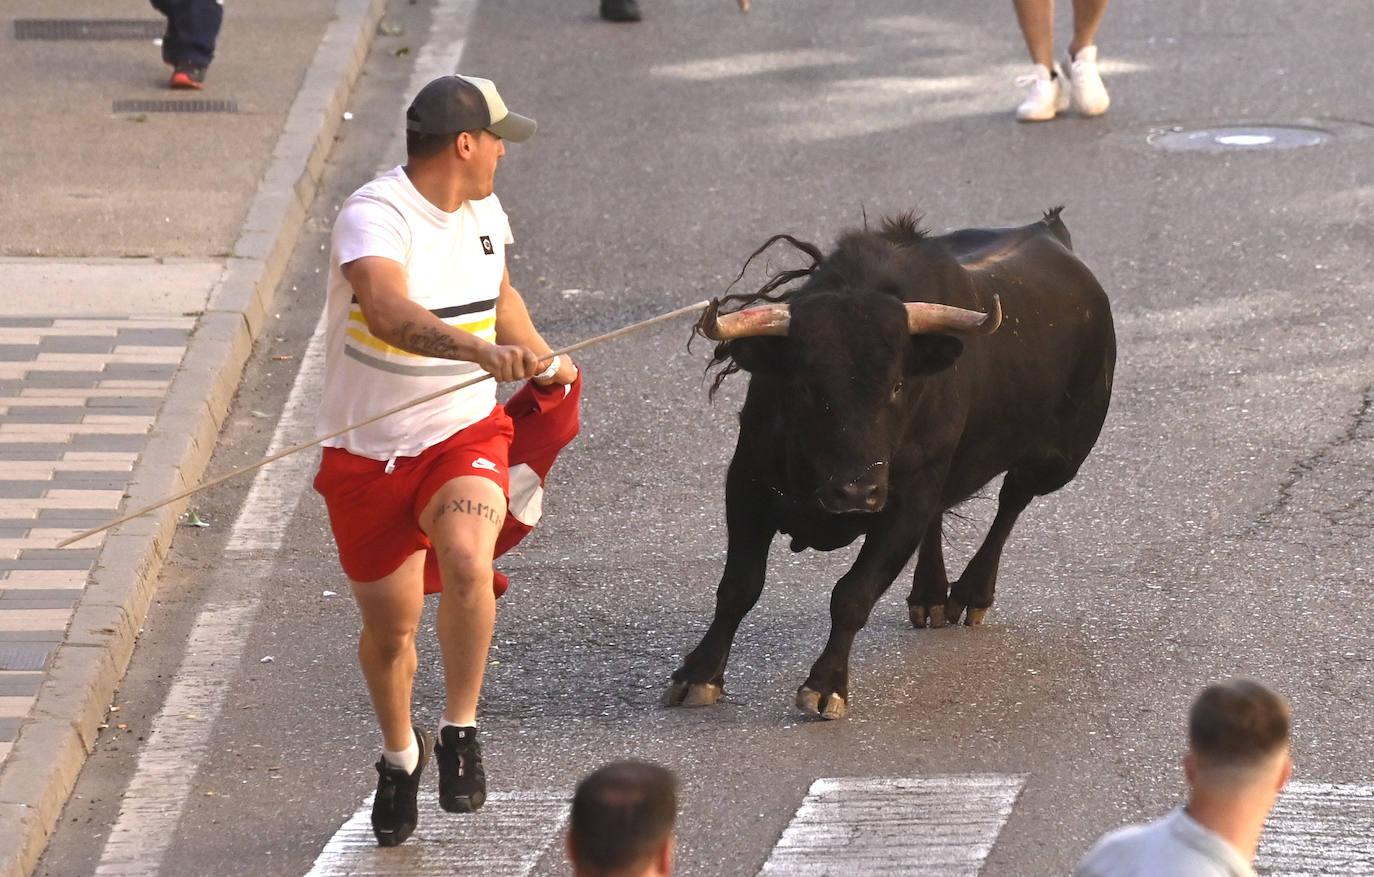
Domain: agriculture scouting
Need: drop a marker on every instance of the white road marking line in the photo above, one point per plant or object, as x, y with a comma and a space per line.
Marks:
272, 499
1319, 828
937, 825
506, 838
152, 805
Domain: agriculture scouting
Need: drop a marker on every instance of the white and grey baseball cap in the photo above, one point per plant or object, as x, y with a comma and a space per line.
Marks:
452, 104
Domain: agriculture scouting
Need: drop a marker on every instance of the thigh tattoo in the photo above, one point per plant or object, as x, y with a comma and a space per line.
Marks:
492, 513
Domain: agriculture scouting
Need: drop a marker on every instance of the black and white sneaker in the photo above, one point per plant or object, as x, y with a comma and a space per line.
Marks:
462, 779
394, 813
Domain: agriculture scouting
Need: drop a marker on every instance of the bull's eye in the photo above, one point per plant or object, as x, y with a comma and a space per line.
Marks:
897, 389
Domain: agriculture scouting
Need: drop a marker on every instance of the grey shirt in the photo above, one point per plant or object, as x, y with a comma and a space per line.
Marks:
1175, 846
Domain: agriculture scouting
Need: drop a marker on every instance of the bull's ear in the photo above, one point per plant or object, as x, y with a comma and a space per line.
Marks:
934, 353
760, 353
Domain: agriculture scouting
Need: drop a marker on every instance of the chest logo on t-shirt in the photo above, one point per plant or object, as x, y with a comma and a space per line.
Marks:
486, 245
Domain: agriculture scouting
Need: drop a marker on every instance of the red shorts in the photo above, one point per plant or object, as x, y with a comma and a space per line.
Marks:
375, 515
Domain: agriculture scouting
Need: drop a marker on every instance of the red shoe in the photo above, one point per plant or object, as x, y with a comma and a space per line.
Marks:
187, 75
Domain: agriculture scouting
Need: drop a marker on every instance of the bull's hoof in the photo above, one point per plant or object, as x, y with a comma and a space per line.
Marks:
926, 616
691, 694
810, 702
976, 617
702, 695
834, 708
674, 693
954, 610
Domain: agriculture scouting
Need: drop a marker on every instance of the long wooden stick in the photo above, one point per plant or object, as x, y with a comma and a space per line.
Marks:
205, 485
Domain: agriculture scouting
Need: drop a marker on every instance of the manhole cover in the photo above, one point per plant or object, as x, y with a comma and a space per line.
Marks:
1238, 138
88, 29
195, 105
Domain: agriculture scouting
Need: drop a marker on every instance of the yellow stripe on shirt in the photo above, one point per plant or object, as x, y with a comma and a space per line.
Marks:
484, 328
366, 338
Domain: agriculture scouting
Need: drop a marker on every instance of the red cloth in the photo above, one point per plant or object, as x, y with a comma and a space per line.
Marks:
546, 420
375, 505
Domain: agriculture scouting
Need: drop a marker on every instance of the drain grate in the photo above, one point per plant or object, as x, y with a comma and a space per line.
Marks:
197, 105
88, 29
1238, 138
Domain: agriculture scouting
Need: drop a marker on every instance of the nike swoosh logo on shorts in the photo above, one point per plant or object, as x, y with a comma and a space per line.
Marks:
483, 463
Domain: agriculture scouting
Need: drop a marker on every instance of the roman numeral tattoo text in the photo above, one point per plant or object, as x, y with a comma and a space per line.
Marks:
494, 514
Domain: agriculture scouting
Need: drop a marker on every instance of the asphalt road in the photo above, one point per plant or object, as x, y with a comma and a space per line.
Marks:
1222, 527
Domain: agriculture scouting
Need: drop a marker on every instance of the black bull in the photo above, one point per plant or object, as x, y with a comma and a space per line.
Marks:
867, 416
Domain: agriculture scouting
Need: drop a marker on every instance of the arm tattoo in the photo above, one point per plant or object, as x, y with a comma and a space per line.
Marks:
468, 507
428, 340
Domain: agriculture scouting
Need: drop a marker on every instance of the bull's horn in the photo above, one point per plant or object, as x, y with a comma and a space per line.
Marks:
924, 316
771, 319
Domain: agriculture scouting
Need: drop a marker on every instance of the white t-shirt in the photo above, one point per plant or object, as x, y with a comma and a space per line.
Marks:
1175, 846
454, 263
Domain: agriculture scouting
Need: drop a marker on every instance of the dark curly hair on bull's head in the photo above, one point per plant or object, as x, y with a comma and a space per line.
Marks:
856, 254
722, 357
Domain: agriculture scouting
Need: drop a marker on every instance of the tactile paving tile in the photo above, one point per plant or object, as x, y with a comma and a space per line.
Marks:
24, 656
78, 398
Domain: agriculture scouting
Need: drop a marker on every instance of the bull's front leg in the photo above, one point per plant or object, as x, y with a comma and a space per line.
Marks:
930, 583
886, 550
700, 681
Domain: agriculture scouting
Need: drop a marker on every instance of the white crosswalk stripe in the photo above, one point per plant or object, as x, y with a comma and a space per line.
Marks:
1319, 828
941, 826
506, 838
937, 825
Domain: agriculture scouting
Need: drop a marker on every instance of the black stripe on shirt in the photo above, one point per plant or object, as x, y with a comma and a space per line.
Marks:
459, 310
455, 311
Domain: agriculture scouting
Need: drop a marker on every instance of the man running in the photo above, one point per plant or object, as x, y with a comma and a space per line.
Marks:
419, 299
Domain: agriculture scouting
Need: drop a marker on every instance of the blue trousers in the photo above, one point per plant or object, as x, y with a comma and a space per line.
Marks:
192, 26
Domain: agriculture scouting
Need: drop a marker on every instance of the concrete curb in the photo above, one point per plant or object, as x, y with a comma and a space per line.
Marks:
53, 744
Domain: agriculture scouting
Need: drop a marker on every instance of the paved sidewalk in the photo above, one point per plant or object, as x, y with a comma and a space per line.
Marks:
139, 252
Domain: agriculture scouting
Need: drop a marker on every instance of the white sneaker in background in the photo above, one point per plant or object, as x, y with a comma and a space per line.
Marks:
1087, 93
1047, 95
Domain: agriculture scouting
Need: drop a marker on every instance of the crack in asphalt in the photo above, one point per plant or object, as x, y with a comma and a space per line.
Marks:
1340, 511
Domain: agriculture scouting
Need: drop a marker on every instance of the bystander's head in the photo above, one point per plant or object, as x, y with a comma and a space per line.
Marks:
1237, 739
622, 821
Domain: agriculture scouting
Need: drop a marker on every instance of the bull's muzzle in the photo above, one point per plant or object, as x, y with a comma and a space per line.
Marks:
863, 495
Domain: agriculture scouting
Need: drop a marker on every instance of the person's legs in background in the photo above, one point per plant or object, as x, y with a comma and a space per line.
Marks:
189, 41
1086, 91
1052, 88
1047, 96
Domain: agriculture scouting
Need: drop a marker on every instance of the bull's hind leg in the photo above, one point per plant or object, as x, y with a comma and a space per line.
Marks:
930, 583
976, 586
1081, 415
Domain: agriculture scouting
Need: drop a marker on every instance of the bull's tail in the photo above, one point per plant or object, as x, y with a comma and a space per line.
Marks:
1056, 226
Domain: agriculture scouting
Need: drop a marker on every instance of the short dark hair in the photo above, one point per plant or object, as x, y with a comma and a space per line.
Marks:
1238, 723
419, 145
621, 815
